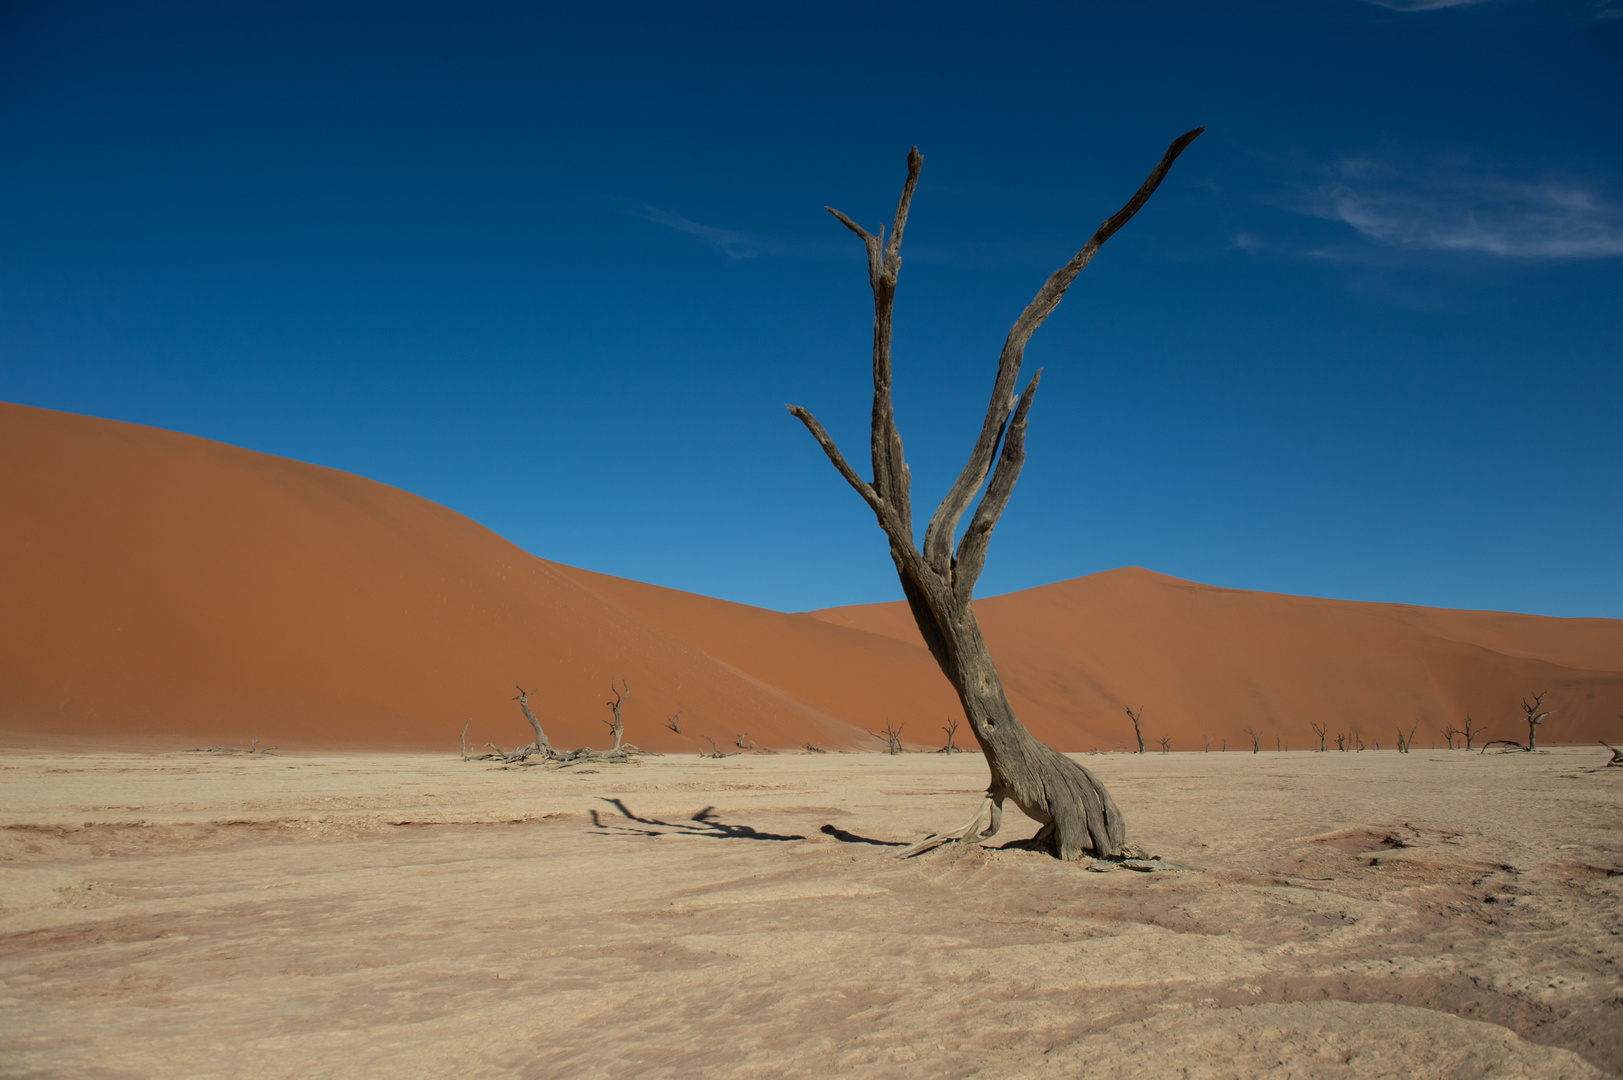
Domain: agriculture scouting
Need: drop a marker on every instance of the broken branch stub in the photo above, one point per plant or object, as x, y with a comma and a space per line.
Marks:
938, 580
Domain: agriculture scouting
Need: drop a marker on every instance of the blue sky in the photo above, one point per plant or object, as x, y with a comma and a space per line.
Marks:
561, 268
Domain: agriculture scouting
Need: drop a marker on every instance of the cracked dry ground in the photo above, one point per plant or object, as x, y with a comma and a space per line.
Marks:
1355, 915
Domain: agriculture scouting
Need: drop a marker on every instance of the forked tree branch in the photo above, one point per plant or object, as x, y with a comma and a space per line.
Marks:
971, 556
889, 495
891, 481
938, 537
826, 441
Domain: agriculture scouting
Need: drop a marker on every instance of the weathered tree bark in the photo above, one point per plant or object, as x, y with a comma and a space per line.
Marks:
1075, 810
541, 745
617, 725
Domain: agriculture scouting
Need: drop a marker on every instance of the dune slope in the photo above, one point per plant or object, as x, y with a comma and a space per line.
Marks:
161, 588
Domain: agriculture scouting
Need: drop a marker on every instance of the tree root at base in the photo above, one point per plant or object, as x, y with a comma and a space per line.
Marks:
983, 826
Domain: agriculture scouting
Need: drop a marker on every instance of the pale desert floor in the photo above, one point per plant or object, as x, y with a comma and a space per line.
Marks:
1355, 915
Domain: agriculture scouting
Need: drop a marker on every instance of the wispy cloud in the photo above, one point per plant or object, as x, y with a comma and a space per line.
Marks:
1451, 210
1423, 5
736, 245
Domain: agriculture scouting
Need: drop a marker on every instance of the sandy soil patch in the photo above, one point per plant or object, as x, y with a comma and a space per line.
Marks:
1354, 915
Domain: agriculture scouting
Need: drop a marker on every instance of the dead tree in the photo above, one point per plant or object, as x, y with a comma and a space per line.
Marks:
1075, 810
465, 738
541, 745
674, 721
891, 737
743, 738
1341, 743
1208, 739
1448, 733
1617, 755
1323, 732
1405, 741
1471, 730
1166, 744
1535, 717
617, 725
951, 728
716, 751
1138, 732
1256, 739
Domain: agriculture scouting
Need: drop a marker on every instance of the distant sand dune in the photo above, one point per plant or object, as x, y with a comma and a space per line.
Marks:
164, 589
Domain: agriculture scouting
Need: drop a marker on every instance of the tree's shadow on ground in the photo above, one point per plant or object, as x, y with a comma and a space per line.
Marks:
704, 823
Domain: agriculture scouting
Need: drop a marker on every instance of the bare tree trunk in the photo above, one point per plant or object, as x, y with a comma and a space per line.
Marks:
1075, 810
542, 746
891, 737
1138, 732
1472, 730
1535, 717
617, 725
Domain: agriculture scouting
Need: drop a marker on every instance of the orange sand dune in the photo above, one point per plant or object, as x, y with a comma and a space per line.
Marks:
1210, 662
164, 589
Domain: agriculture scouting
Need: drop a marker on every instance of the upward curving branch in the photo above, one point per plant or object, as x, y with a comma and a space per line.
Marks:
938, 536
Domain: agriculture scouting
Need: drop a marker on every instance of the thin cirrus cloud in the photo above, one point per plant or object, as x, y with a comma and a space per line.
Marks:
1454, 211
1423, 5
735, 245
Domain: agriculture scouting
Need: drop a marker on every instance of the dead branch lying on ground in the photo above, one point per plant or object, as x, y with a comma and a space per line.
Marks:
716, 751
1617, 755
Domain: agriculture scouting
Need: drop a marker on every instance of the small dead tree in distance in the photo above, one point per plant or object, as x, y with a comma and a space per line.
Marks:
1075, 810
674, 721
617, 725
1166, 744
1256, 739
1535, 717
715, 751
541, 745
1471, 730
1323, 732
891, 737
951, 728
1138, 732
1448, 733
